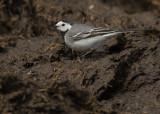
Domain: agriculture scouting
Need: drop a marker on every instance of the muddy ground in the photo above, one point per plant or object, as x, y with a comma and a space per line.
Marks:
39, 74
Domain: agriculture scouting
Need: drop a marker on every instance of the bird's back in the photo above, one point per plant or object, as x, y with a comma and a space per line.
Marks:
77, 28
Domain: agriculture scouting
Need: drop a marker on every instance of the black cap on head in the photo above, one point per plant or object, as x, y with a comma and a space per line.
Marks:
68, 22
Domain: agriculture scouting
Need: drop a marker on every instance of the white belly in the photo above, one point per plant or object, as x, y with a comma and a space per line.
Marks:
85, 44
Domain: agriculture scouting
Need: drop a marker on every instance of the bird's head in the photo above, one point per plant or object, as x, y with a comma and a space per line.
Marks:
63, 26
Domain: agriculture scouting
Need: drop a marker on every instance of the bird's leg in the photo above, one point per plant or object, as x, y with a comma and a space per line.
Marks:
72, 52
89, 52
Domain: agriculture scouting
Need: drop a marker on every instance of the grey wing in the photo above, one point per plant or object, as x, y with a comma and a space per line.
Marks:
91, 33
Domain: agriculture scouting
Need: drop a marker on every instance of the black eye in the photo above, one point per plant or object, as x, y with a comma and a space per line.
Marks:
63, 24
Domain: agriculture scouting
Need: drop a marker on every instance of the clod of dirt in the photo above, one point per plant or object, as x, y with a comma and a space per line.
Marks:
58, 98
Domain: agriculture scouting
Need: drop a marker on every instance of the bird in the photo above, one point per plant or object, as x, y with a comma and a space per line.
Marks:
85, 38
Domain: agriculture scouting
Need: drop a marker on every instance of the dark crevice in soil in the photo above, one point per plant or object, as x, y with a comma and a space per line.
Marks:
28, 65
121, 73
10, 84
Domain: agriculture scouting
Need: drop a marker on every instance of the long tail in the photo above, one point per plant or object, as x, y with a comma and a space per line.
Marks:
113, 33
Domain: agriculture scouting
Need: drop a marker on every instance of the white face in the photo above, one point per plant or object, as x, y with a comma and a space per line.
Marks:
63, 26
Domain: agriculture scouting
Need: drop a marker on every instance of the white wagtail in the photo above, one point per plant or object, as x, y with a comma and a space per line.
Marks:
85, 38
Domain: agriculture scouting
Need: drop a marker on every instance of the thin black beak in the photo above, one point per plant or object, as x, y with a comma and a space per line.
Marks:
52, 27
